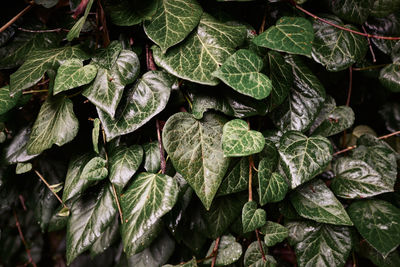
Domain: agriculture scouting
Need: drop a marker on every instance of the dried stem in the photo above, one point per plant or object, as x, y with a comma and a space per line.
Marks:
49, 187
370, 45
160, 146
371, 67
215, 251
34, 91
21, 235
106, 37
118, 205
20, 14
260, 245
350, 86
264, 20
22, 200
43, 31
251, 164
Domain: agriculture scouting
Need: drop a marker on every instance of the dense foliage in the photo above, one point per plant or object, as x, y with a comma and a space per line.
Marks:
200, 132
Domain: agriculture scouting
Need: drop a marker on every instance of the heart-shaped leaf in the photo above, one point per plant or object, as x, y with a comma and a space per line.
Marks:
152, 159
290, 34
195, 149
273, 187
173, 21
95, 169
229, 251
378, 222
316, 201
146, 200
236, 179
252, 218
253, 256
303, 157
202, 52
7, 102
238, 140
274, 233
241, 71
72, 74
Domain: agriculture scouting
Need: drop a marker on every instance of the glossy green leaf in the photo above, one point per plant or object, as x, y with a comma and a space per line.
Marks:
140, 103
305, 99
40, 61
123, 163
146, 200
72, 74
132, 12
105, 58
202, 52
382, 8
229, 251
273, 188
88, 221
195, 149
16, 151
252, 218
365, 250
23, 168
173, 21
273, 233
337, 49
77, 28
293, 35
241, 71
191, 263
253, 256
108, 237
236, 179
95, 135
316, 201
356, 179
317, 244
302, 157
378, 222
95, 169
356, 11
390, 77
107, 88
55, 124
387, 26
152, 158
7, 102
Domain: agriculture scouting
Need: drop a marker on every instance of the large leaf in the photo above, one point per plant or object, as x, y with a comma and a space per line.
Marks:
107, 88
16, 151
356, 179
89, 220
146, 200
238, 140
290, 34
337, 49
364, 249
131, 12
305, 99
55, 124
316, 201
40, 61
355, 11
229, 251
108, 237
7, 102
195, 149
202, 52
302, 157
274, 233
236, 179
378, 222
241, 71
143, 101
123, 163
252, 218
318, 244
173, 21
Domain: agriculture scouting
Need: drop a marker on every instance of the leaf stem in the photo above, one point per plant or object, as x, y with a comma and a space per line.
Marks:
149, 59
215, 251
370, 67
43, 31
34, 91
370, 46
118, 205
49, 187
21, 235
160, 146
260, 245
20, 14
251, 164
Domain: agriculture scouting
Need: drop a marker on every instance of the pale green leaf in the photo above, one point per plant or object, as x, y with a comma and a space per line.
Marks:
7, 102
105, 58
95, 135
274, 233
152, 158
23, 167
229, 251
252, 218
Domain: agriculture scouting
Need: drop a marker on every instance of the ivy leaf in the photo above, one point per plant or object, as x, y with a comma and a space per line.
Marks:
107, 88
274, 233
273, 187
143, 101
293, 35
195, 149
241, 71
236, 179
378, 222
16, 151
39, 62
318, 244
47, 3
229, 251
105, 58
95, 169
123, 163
316, 201
88, 221
7, 102
191, 263
72, 74
202, 52
76, 29
152, 158
253, 256
173, 21
383, 8
305, 99
252, 218
147, 199
303, 157
95, 135
131, 12
356, 179
355, 11
55, 124
364, 249
337, 49
106, 239
23, 167
390, 77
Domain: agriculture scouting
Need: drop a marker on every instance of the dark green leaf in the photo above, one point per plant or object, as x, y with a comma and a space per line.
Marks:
105, 58
95, 169
7, 102
106, 239
229, 251
131, 12
253, 256
382, 8
252, 218
16, 151
76, 29
390, 77
364, 249
191, 263
47, 3
274, 233
236, 179
388, 26
272, 186
356, 11
152, 158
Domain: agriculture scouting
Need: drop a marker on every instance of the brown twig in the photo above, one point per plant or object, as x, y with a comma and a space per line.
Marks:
22, 200
260, 245
264, 20
43, 31
149, 59
350, 86
34, 91
370, 67
20, 14
106, 37
370, 45
160, 146
21, 235
215, 252
49, 187
251, 164
118, 205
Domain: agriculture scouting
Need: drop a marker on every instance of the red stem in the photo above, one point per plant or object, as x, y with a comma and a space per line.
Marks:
21, 235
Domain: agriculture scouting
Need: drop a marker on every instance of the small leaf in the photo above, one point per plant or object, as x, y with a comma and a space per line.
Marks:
105, 58
241, 71
7, 102
355, 11
23, 168
274, 233
95, 135
76, 29
273, 187
236, 179
146, 200
56, 187
152, 158
72, 74
316, 201
291, 34
229, 251
238, 140
378, 222
55, 124
303, 157
253, 256
252, 218
95, 169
